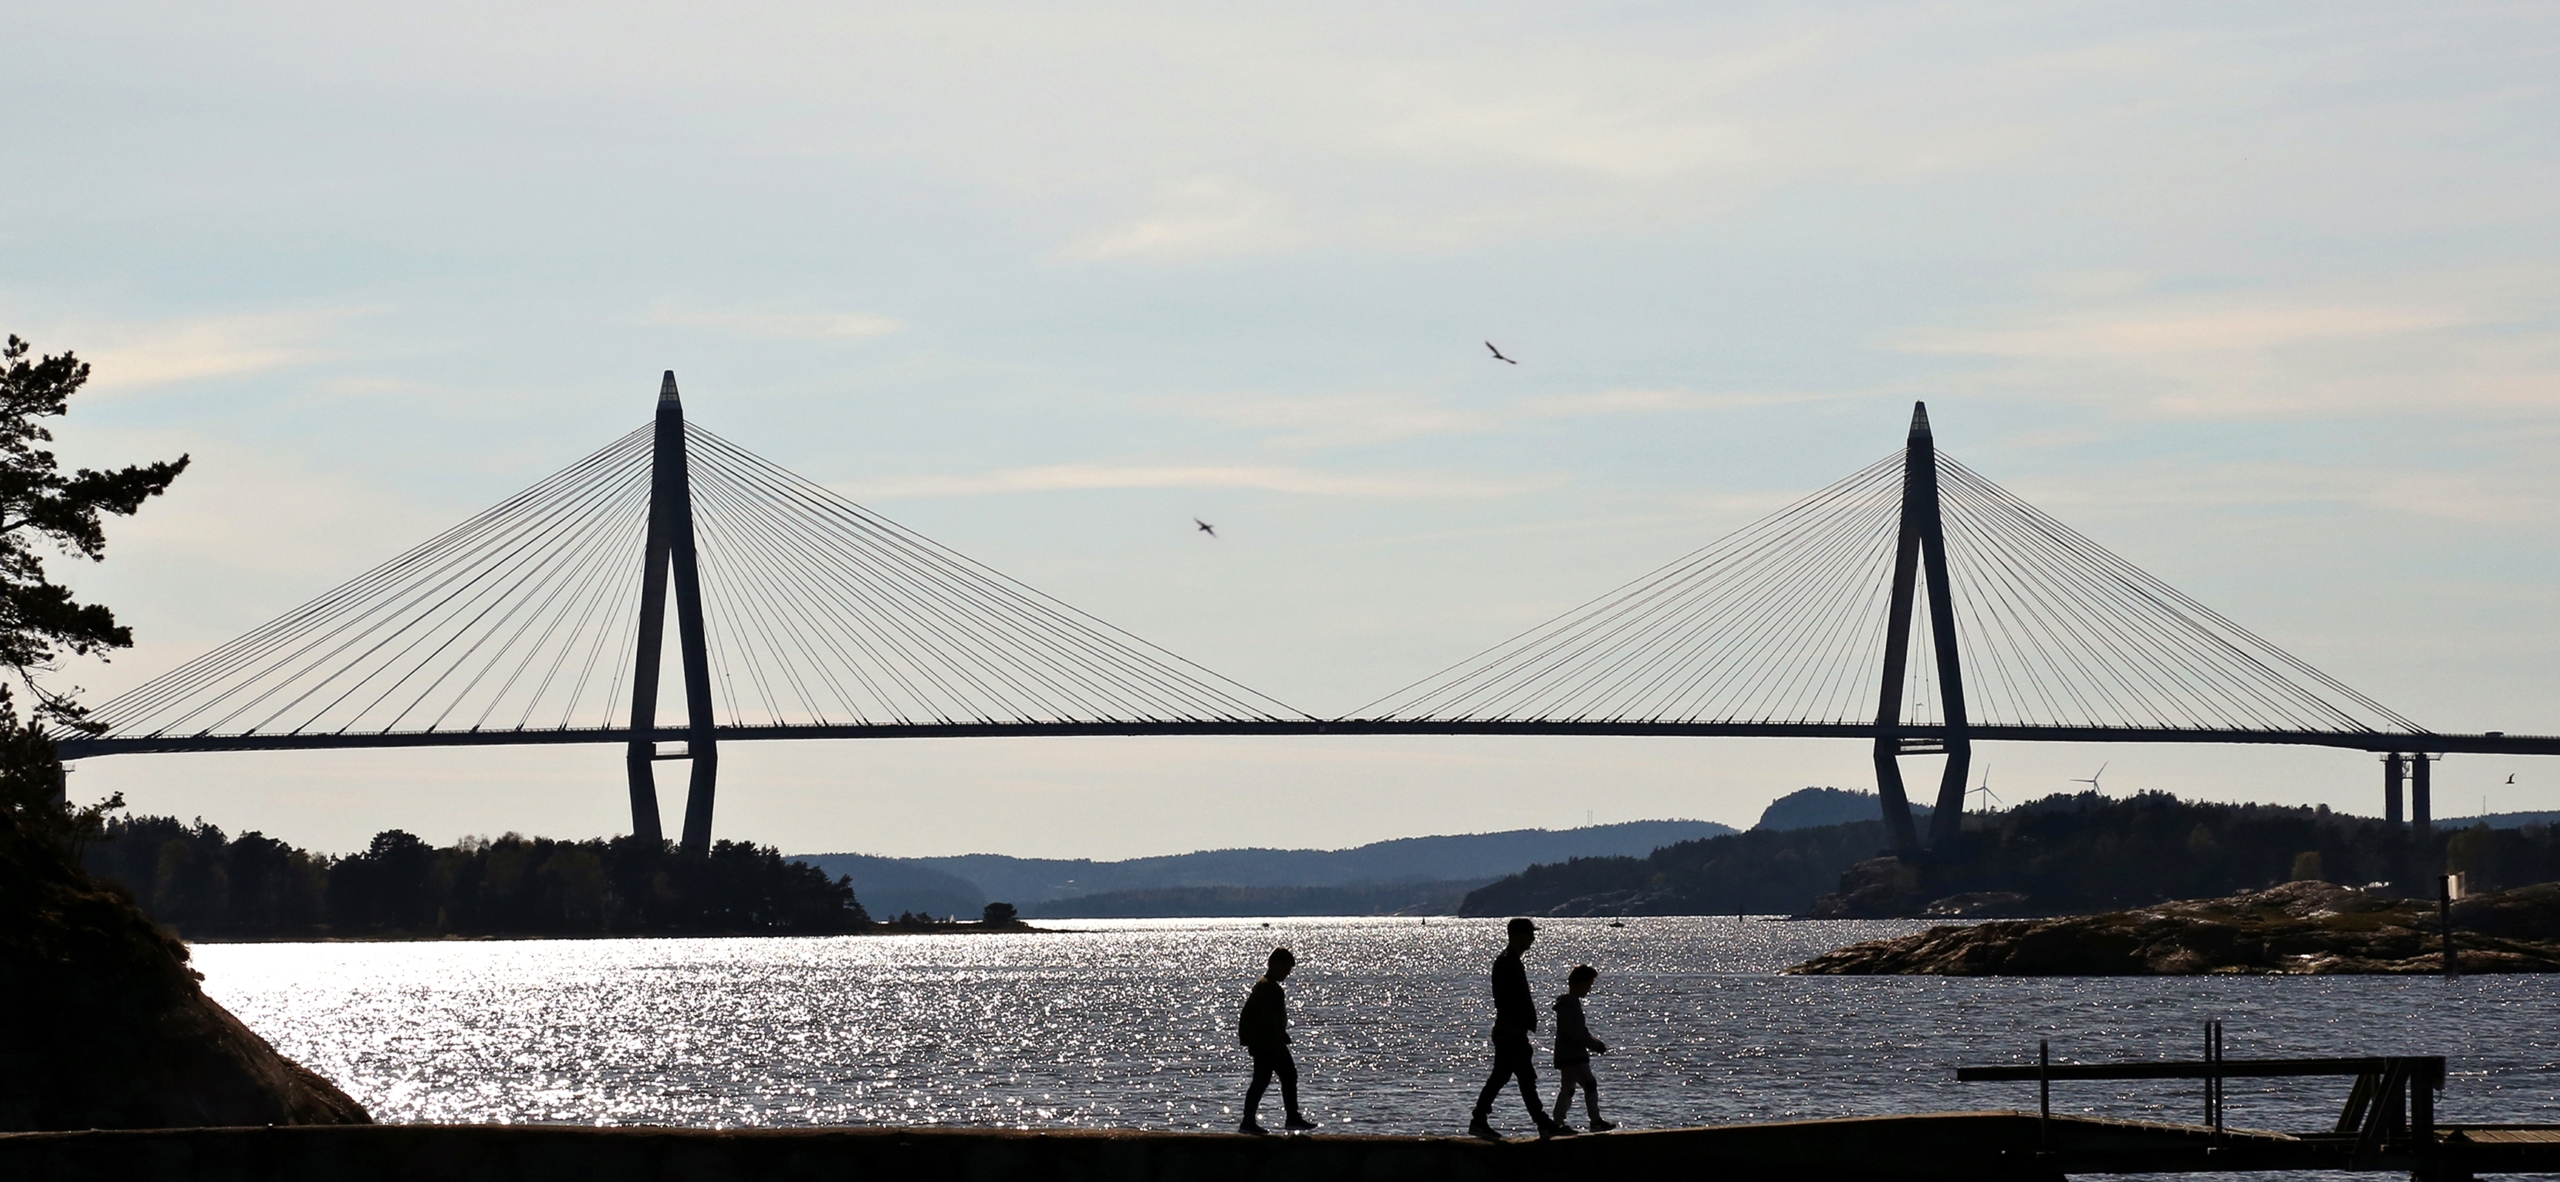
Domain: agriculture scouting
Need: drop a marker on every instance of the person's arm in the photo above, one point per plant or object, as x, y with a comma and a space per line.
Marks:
1259, 1012
1581, 1030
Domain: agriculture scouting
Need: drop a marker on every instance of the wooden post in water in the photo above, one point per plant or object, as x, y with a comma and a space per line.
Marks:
2444, 921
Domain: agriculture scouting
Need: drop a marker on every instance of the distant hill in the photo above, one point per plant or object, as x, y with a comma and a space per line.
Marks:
1812, 808
1376, 898
2500, 820
887, 886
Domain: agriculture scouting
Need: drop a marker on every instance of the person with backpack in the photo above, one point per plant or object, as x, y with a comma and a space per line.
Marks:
1264, 1031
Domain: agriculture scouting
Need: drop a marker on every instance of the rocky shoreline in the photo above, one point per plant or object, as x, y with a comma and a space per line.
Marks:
2297, 928
109, 1028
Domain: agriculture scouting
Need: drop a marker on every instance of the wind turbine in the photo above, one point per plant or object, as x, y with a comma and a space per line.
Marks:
1985, 791
2092, 779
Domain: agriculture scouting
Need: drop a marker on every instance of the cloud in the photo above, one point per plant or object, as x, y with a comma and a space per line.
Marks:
1201, 218
246, 534
1643, 401
1354, 420
2397, 344
1265, 478
134, 355
790, 326
2224, 325
2414, 492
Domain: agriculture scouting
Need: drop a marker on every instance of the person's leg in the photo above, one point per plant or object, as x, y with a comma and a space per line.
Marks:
1529, 1095
1512, 1057
1564, 1091
1286, 1065
1261, 1083
1590, 1094
1492, 1089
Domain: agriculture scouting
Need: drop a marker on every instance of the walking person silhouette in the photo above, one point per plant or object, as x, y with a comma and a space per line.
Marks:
1264, 1030
1574, 1046
1514, 1016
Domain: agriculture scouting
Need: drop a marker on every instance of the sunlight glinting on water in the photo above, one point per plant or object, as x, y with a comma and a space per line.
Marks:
1132, 1024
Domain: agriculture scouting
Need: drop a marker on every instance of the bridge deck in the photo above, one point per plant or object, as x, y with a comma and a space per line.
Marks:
2490, 743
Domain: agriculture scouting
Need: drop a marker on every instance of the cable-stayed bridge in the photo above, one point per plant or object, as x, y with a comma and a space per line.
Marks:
1913, 604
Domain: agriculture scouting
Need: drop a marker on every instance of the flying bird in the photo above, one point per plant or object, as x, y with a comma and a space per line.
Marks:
1497, 354
2511, 777
1205, 527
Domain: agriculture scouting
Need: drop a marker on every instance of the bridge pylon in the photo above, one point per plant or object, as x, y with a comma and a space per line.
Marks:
1921, 555
670, 557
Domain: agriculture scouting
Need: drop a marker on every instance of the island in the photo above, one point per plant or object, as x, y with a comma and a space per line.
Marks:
2299, 927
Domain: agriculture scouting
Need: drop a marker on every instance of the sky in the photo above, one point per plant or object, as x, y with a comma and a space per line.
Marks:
2263, 298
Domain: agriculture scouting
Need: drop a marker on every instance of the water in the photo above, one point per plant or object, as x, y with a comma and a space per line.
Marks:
1131, 1024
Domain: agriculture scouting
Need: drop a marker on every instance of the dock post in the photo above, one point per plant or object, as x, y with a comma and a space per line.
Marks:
2213, 1076
2044, 1095
2422, 1102
2392, 770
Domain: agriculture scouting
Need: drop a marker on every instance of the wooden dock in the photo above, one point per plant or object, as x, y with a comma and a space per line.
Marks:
1924, 1148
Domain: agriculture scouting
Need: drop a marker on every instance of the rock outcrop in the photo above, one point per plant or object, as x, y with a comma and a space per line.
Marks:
1878, 888
106, 1026
2301, 927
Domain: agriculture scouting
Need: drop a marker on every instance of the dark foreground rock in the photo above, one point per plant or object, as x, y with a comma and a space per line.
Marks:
103, 1025
2302, 927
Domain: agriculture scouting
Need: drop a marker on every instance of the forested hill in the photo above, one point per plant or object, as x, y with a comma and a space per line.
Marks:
206, 884
2063, 854
964, 882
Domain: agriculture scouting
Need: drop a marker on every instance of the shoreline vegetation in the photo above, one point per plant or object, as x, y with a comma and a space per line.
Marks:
935, 927
205, 885
2069, 854
2073, 854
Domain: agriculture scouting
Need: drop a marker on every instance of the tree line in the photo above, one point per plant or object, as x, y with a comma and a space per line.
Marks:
206, 884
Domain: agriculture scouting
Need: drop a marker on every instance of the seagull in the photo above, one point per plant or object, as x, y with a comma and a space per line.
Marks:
2511, 777
1497, 354
1205, 527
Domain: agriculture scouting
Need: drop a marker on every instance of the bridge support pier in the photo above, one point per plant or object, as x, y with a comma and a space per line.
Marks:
671, 558
2421, 795
1921, 556
2393, 770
